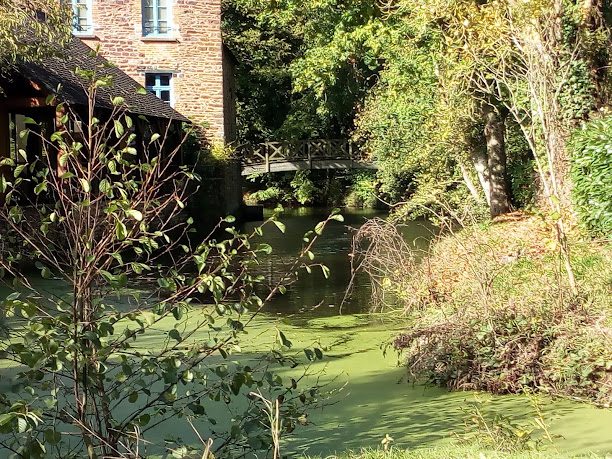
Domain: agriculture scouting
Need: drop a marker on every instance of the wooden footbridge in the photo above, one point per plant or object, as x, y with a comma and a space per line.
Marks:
301, 155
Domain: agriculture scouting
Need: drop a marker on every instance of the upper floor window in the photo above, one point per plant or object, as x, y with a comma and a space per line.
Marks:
156, 17
82, 17
160, 84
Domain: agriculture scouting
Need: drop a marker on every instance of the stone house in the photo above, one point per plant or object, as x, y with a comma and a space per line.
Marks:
173, 48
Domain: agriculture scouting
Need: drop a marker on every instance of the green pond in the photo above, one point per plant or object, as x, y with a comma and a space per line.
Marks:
372, 397
375, 398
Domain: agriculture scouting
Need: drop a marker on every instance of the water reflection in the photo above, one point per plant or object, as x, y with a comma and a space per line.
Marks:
313, 295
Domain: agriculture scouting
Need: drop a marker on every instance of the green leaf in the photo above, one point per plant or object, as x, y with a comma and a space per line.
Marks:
280, 225
67, 175
135, 214
119, 129
46, 273
22, 425
104, 186
319, 228
6, 418
18, 170
283, 340
42, 186
52, 436
175, 335
265, 248
85, 185
120, 230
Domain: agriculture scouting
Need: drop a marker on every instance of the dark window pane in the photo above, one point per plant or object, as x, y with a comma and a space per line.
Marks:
148, 17
165, 96
150, 79
164, 79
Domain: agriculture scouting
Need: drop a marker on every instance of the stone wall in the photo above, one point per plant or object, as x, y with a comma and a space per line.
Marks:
193, 53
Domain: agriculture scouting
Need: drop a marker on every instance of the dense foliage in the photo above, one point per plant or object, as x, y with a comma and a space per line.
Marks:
314, 188
592, 175
415, 80
31, 29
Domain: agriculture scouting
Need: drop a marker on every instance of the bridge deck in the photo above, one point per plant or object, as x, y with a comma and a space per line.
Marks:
298, 165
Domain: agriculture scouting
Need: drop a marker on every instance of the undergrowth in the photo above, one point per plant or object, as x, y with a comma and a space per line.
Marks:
491, 309
448, 452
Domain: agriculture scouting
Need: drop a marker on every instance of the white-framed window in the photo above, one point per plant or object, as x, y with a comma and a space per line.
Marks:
156, 18
82, 17
160, 84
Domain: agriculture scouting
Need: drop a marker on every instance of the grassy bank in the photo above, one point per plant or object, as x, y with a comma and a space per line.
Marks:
454, 452
492, 310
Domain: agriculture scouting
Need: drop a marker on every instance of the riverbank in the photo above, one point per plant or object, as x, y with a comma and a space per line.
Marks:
490, 308
375, 397
454, 452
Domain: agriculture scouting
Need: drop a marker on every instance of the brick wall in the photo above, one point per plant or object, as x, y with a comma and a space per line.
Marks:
194, 55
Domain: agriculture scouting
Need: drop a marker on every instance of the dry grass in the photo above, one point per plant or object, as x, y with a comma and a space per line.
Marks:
492, 308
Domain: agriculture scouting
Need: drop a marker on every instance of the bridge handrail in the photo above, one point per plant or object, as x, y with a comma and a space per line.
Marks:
292, 150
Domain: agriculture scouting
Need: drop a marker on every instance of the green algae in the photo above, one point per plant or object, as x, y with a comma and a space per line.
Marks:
371, 395
376, 400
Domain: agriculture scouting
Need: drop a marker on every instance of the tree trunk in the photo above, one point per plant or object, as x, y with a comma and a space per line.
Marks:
481, 164
470, 184
495, 133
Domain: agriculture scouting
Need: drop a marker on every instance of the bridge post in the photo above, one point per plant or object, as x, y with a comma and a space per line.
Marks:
309, 151
267, 159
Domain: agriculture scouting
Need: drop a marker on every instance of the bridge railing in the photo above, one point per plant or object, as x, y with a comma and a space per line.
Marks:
298, 150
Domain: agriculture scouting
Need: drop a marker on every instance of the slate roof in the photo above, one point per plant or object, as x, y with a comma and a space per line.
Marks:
53, 71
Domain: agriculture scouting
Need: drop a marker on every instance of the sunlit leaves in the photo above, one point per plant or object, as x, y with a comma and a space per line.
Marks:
135, 214
119, 129
280, 225
85, 185
121, 231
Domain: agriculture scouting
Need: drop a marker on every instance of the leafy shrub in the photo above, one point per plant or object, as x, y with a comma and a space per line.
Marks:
127, 345
493, 430
592, 175
521, 168
509, 350
362, 192
304, 190
479, 324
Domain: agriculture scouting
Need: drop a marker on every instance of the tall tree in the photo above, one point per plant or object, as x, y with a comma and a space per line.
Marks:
30, 29
495, 135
